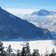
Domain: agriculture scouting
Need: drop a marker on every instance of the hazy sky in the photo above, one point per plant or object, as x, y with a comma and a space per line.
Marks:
27, 6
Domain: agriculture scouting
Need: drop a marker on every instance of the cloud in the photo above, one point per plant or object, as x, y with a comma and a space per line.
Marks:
19, 12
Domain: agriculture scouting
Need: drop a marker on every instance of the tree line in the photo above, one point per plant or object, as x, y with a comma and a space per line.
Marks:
25, 51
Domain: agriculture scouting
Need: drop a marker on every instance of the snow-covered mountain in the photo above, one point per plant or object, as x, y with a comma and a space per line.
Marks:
43, 19
43, 12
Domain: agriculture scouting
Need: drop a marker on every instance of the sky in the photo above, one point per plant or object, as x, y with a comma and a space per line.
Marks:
27, 6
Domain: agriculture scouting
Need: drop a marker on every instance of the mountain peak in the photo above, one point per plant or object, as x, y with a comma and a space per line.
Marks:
43, 12
1, 8
12, 27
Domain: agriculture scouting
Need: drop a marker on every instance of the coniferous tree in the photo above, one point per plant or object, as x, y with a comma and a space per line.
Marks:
23, 53
13, 54
2, 52
53, 53
26, 50
9, 50
36, 52
46, 53
18, 54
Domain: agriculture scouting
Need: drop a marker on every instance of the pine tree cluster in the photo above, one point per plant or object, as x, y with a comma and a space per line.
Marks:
25, 51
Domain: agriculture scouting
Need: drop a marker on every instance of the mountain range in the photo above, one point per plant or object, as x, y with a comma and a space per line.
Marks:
43, 18
43, 12
15, 28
